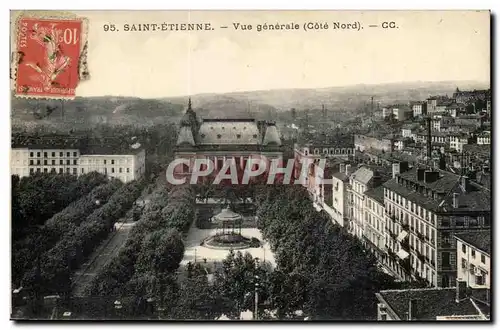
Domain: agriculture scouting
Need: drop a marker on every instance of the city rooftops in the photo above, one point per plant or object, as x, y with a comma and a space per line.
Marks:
429, 304
438, 192
480, 239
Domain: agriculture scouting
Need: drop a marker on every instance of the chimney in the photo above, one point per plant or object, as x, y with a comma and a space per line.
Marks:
431, 176
420, 174
429, 138
342, 168
396, 169
455, 200
403, 166
465, 182
412, 309
461, 290
348, 169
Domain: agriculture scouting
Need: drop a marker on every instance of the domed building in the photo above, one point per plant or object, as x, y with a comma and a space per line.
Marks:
223, 140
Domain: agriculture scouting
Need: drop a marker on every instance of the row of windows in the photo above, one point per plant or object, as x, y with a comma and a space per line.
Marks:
410, 206
473, 253
53, 170
53, 154
75, 170
53, 162
103, 161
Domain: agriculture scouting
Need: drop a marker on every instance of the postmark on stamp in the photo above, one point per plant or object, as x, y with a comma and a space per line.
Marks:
48, 57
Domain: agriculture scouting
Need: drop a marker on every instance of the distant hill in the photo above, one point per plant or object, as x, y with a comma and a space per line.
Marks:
346, 96
93, 110
259, 104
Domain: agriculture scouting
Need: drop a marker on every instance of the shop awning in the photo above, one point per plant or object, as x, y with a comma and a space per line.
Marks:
402, 235
402, 254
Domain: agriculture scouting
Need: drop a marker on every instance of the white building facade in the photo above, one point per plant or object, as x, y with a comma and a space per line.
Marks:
28, 161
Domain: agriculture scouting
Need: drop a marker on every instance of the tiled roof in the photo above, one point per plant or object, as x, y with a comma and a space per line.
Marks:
376, 193
363, 175
476, 198
229, 132
484, 149
271, 136
341, 176
430, 303
480, 239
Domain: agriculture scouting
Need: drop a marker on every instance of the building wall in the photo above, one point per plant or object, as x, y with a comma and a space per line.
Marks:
420, 224
374, 230
472, 262
484, 139
383, 314
25, 161
19, 160
363, 142
54, 160
124, 167
356, 194
338, 203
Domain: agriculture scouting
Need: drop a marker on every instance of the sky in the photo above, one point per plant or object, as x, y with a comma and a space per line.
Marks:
426, 46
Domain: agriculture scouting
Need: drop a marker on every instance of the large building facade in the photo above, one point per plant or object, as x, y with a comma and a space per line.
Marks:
225, 140
126, 165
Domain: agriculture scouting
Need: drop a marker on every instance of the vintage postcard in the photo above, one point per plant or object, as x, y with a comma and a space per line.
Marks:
251, 165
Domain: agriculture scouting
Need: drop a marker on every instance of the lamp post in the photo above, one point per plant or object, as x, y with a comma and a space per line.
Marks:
256, 290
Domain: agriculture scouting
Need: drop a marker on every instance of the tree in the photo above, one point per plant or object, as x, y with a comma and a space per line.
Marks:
161, 252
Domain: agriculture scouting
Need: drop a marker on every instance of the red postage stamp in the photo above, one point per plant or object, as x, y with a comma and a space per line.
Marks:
48, 57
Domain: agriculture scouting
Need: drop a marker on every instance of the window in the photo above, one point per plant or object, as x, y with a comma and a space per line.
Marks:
128, 170
105, 171
105, 162
38, 154
31, 162
60, 169
31, 154
45, 162
32, 170
473, 253
112, 162
75, 170
45, 154
53, 154
480, 279
44, 170
445, 258
68, 162
68, 154
38, 170
112, 170
53, 162
483, 259
74, 154
464, 248
120, 170
52, 170
60, 154
74, 162
61, 162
